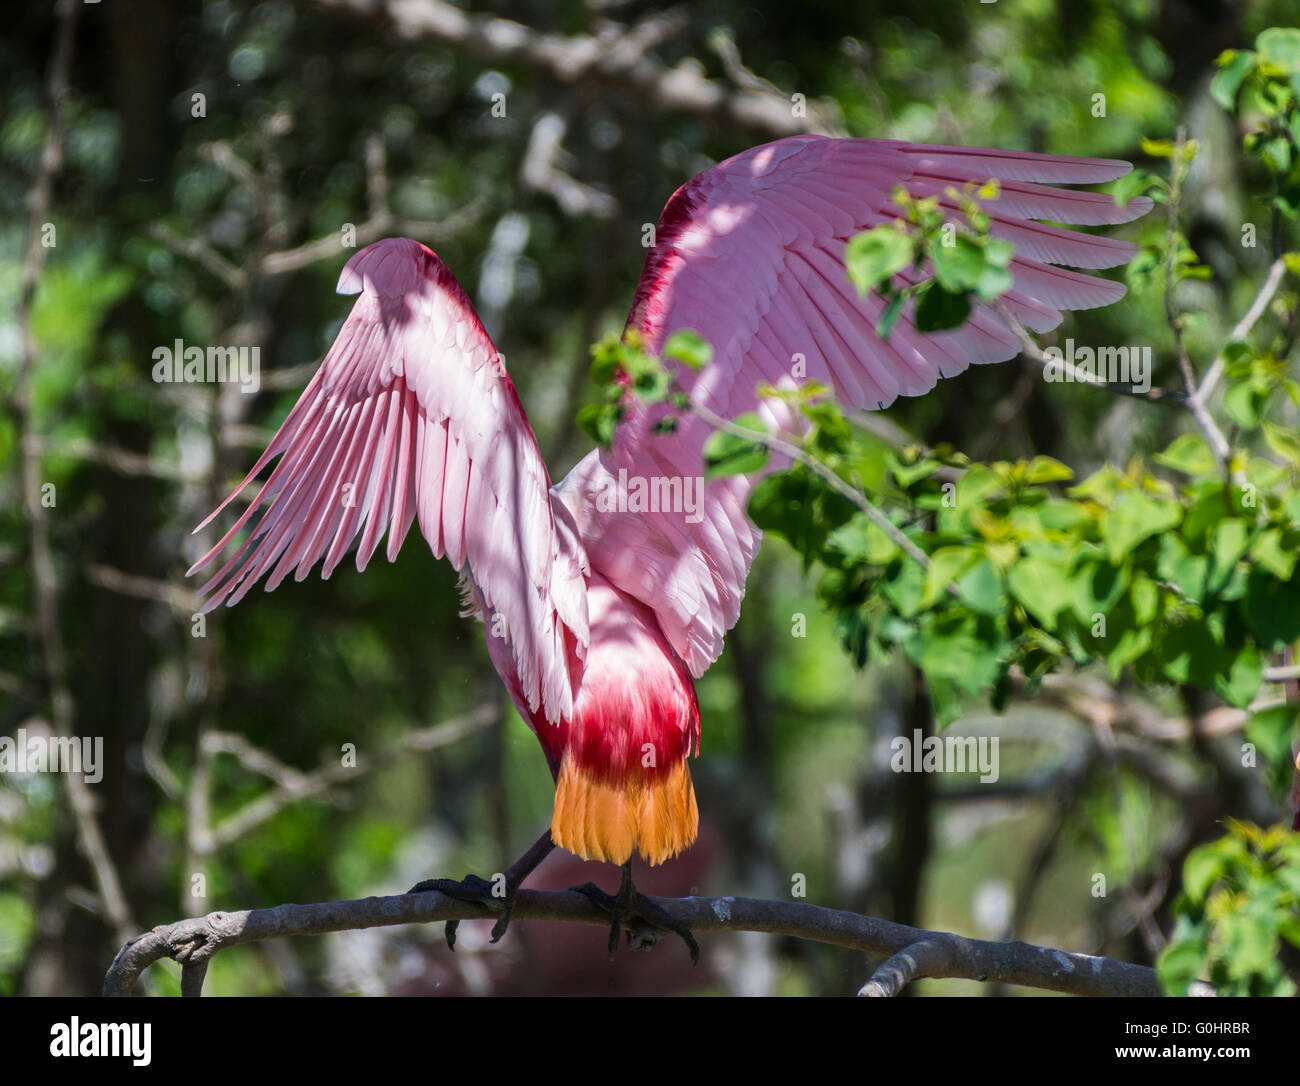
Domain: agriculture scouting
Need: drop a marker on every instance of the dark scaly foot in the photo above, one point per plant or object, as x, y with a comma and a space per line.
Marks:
476, 889
631, 907
496, 895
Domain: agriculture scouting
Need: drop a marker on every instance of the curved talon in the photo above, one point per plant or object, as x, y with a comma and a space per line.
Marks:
503, 921
478, 889
472, 888
610, 904
631, 905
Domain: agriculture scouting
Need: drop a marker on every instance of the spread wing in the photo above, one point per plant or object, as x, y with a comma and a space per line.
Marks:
750, 254
412, 414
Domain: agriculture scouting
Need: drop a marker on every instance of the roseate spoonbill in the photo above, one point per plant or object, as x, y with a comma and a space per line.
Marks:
599, 617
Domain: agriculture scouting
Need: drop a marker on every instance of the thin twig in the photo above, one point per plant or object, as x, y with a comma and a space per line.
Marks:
181, 600
785, 448
1242, 328
1178, 167
1033, 350
44, 578
371, 230
540, 172
293, 785
121, 461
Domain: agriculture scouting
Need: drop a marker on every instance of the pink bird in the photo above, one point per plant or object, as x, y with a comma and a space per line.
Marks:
599, 616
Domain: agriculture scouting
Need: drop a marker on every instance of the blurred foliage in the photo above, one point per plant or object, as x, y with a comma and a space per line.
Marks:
1181, 578
277, 159
1240, 902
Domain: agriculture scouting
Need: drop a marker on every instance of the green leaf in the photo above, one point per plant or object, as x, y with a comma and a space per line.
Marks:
904, 586
1134, 518
1180, 963
1270, 553
1239, 404
1042, 587
981, 587
957, 267
652, 385
800, 508
907, 475
875, 255
945, 700
1189, 454
1256, 947
891, 314
992, 283
1242, 681
1101, 486
1060, 516
962, 648
1132, 184
1157, 148
862, 541
689, 348
729, 454
1096, 586
1188, 652
940, 310
946, 564
599, 421
1272, 731
1144, 595
1271, 610
1283, 441
1281, 46
1044, 469
1203, 866
1234, 66
1228, 542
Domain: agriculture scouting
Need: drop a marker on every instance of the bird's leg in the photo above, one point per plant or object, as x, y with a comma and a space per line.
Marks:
477, 889
631, 905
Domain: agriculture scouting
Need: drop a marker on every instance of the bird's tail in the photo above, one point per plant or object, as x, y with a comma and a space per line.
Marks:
599, 818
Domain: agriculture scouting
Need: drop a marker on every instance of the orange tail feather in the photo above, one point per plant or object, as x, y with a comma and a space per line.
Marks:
608, 820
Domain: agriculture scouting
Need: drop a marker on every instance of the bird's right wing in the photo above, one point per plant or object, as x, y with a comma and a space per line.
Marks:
750, 255
413, 414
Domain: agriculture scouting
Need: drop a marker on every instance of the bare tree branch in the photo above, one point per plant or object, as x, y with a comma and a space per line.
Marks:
615, 59
1177, 169
1242, 328
121, 461
926, 957
44, 578
540, 172
193, 942
785, 448
179, 599
293, 785
380, 222
1031, 349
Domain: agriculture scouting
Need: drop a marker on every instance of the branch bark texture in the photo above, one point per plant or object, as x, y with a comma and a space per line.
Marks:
193, 942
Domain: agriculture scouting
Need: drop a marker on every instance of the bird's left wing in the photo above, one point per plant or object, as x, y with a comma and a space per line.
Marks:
412, 414
750, 255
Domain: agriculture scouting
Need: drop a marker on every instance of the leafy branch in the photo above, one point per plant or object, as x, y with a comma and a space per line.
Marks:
1179, 573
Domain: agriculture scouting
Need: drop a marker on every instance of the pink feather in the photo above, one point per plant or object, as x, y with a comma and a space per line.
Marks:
413, 417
